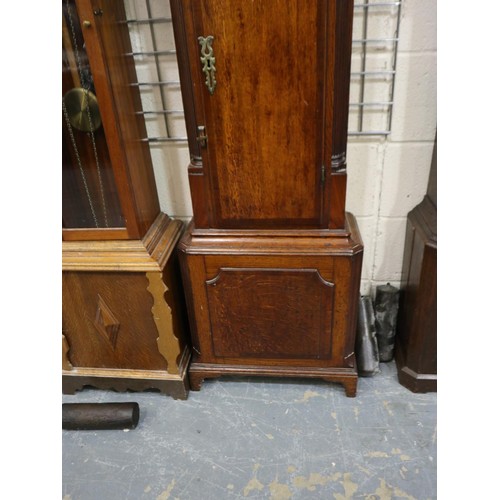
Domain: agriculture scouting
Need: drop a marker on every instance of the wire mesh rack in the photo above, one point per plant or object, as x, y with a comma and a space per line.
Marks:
373, 71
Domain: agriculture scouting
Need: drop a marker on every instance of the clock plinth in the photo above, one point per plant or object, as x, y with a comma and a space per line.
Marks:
279, 304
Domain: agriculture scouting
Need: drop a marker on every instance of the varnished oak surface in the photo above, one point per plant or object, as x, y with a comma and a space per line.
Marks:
284, 304
135, 346
149, 254
275, 102
237, 293
252, 242
201, 371
122, 380
271, 263
124, 324
282, 84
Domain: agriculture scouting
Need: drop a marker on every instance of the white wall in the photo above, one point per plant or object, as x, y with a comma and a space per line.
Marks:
387, 176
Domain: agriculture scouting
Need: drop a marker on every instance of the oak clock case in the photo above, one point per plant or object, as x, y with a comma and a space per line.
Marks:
124, 324
271, 261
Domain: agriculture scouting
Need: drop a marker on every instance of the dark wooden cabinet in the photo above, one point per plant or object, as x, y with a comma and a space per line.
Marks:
124, 324
416, 340
271, 262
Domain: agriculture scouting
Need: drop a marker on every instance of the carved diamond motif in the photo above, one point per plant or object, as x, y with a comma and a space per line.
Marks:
106, 323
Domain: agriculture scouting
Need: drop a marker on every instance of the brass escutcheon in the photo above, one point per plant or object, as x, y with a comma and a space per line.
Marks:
208, 60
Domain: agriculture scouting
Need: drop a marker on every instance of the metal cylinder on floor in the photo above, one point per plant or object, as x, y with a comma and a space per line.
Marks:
367, 357
99, 416
386, 313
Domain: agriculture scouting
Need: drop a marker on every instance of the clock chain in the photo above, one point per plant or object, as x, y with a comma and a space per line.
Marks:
79, 161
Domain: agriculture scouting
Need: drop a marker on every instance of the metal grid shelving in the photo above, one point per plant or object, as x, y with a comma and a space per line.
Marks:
376, 57
373, 67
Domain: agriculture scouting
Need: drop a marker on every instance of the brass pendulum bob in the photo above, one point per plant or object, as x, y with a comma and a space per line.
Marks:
83, 109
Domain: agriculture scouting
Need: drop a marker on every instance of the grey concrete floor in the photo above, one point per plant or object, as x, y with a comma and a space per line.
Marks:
260, 438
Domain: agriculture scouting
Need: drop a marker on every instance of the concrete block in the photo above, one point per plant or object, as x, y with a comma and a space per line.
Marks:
418, 28
168, 69
367, 229
146, 72
405, 177
365, 287
176, 126
380, 23
163, 34
374, 120
170, 163
389, 249
414, 114
159, 8
363, 176
155, 126
173, 98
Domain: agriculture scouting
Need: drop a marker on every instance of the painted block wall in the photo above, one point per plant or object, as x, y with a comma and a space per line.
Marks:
387, 175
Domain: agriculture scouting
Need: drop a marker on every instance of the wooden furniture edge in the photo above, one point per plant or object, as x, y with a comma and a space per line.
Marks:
149, 254
132, 373
348, 377
413, 381
424, 216
175, 385
322, 242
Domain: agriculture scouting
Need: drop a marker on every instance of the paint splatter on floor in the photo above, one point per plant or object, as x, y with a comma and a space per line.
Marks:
261, 439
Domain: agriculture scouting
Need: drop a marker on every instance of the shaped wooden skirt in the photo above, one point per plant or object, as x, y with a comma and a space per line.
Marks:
124, 323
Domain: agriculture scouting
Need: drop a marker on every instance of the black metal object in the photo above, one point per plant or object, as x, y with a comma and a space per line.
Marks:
367, 357
386, 313
99, 416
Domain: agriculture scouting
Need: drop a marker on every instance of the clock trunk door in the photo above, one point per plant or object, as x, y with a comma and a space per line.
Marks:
260, 67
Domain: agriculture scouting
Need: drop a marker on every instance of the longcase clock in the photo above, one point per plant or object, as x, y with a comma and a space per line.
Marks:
123, 317
271, 261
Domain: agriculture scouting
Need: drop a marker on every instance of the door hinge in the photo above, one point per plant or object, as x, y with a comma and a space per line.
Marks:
322, 175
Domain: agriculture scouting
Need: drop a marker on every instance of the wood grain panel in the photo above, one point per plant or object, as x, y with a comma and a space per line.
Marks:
271, 313
265, 118
136, 341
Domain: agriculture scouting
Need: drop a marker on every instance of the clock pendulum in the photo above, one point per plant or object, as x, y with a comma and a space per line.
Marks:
81, 112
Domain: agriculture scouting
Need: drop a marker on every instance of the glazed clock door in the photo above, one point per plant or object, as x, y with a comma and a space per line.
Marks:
90, 199
108, 185
261, 69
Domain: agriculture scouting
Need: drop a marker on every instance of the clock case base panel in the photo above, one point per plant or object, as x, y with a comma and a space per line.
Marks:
348, 377
416, 340
277, 303
124, 320
176, 386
